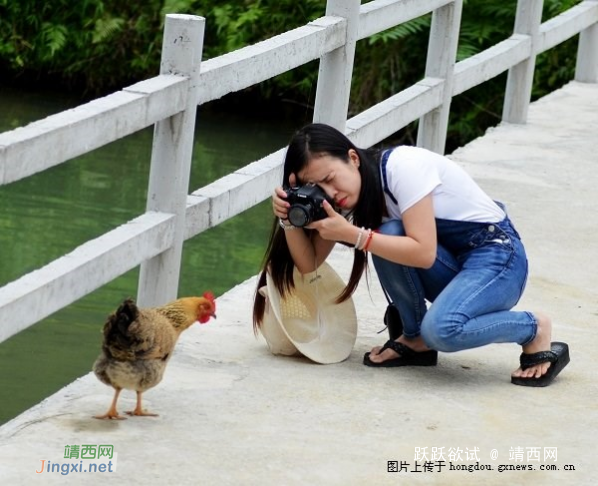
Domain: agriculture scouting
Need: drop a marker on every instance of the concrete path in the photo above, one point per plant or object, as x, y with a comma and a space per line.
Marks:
231, 413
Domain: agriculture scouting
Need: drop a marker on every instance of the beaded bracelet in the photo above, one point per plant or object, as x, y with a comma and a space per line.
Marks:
358, 242
286, 227
368, 240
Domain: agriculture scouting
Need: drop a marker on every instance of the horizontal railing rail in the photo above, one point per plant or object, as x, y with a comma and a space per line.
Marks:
74, 132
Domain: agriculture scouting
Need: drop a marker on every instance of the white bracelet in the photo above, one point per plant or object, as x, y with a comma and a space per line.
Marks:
358, 242
286, 227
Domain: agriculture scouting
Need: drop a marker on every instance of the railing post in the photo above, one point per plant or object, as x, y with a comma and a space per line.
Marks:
520, 79
440, 63
171, 157
586, 68
336, 69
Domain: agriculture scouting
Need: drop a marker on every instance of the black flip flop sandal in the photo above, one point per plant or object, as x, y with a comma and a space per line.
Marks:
407, 357
558, 357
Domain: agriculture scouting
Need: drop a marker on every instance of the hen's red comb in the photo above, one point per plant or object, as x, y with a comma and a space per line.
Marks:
210, 296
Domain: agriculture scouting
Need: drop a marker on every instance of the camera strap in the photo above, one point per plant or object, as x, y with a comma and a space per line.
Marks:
383, 162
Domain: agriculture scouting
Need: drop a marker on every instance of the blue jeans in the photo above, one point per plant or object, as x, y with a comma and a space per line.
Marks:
478, 276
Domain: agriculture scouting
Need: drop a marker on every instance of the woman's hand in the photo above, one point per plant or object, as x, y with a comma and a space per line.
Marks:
334, 227
280, 205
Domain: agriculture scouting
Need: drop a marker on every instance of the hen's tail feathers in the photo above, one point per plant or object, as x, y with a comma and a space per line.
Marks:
116, 333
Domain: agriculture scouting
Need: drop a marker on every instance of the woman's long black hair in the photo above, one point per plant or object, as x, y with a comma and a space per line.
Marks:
310, 141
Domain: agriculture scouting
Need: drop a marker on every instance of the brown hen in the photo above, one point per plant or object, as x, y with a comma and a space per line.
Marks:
139, 342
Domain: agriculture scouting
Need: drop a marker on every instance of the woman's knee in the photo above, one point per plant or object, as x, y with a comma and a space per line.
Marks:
440, 334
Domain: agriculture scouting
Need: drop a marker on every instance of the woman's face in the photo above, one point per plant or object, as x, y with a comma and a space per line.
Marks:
339, 179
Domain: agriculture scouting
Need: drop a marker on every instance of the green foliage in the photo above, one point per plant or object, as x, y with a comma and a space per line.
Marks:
237, 26
90, 45
415, 26
54, 38
102, 45
105, 28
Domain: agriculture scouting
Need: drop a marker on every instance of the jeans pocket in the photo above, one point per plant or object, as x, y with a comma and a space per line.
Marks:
491, 234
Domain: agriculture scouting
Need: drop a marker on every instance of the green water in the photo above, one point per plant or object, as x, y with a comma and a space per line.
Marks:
49, 214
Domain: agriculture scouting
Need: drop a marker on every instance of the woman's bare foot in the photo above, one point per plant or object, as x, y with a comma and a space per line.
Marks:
416, 344
540, 343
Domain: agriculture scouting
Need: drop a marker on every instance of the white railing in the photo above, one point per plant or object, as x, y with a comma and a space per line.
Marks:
154, 239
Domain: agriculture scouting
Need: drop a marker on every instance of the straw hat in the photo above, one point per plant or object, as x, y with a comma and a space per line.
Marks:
308, 321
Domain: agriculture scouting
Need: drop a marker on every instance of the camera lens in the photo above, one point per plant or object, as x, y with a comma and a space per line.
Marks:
299, 215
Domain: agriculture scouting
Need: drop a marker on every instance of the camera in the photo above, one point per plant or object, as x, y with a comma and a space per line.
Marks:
306, 204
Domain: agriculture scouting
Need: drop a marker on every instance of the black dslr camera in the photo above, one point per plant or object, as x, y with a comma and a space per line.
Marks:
306, 204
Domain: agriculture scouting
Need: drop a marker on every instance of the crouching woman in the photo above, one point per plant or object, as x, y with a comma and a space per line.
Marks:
434, 236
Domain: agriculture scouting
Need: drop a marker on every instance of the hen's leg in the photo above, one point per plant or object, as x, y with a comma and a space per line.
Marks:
112, 413
139, 410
